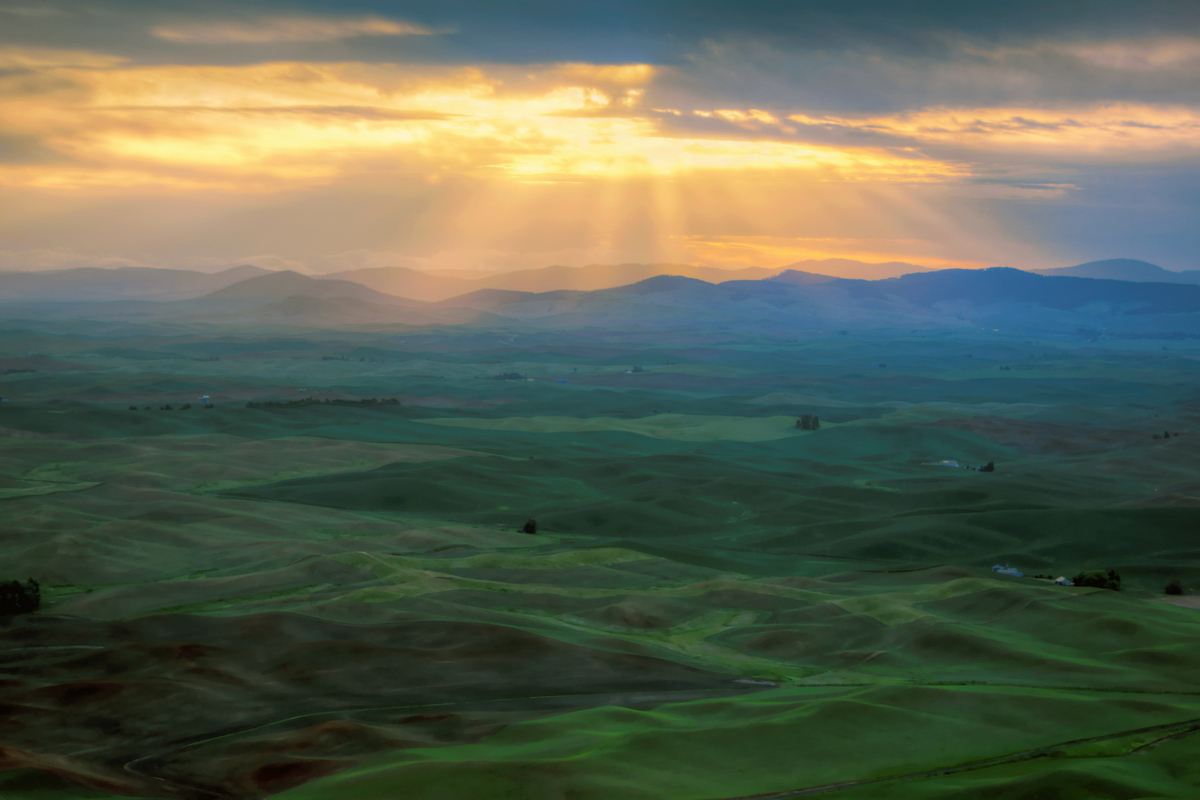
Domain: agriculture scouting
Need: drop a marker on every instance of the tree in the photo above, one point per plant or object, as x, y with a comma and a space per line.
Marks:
1099, 579
530, 526
988, 467
18, 598
805, 422
1174, 586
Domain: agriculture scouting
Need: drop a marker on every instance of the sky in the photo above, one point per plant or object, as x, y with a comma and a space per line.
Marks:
486, 135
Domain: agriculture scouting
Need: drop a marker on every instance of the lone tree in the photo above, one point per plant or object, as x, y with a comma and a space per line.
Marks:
1174, 586
1099, 579
18, 598
530, 526
808, 422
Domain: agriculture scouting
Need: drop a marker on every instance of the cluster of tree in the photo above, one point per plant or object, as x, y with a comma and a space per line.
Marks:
809, 422
988, 467
19, 598
169, 407
530, 526
1166, 435
637, 369
508, 376
312, 401
1099, 579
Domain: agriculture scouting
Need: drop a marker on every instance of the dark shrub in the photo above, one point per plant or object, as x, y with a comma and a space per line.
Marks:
1174, 586
18, 598
1099, 579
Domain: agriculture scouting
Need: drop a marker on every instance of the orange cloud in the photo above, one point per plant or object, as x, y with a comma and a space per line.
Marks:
294, 123
285, 29
35, 58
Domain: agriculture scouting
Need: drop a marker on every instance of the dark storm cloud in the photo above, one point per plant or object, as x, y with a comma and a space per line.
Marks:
867, 56
620, 30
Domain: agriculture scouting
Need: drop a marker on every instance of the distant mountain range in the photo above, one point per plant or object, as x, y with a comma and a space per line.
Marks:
423, 286
999, 296
1124, 269
144, 283
860, 270
89, 284
942, 297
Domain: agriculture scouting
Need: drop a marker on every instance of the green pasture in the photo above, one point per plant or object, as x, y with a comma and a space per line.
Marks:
828, 594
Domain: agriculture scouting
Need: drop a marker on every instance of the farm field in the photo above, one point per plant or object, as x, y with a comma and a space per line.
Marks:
308, 590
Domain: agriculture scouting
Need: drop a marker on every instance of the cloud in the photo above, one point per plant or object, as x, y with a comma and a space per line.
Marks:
1124, 132
286, 29
269, 126
927, 148
40, 58
33, 11
1148, 54
942, 70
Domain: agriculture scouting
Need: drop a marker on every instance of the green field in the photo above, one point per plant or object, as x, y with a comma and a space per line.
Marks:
322, 600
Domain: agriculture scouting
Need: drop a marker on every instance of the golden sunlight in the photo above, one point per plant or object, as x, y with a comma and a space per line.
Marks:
275, 125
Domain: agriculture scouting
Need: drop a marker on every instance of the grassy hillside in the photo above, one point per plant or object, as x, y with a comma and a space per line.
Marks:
320, 596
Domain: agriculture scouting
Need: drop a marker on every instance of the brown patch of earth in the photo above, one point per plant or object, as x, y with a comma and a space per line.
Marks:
244, 707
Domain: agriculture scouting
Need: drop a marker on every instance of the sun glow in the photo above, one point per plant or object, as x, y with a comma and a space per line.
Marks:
271, 125
553, 158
